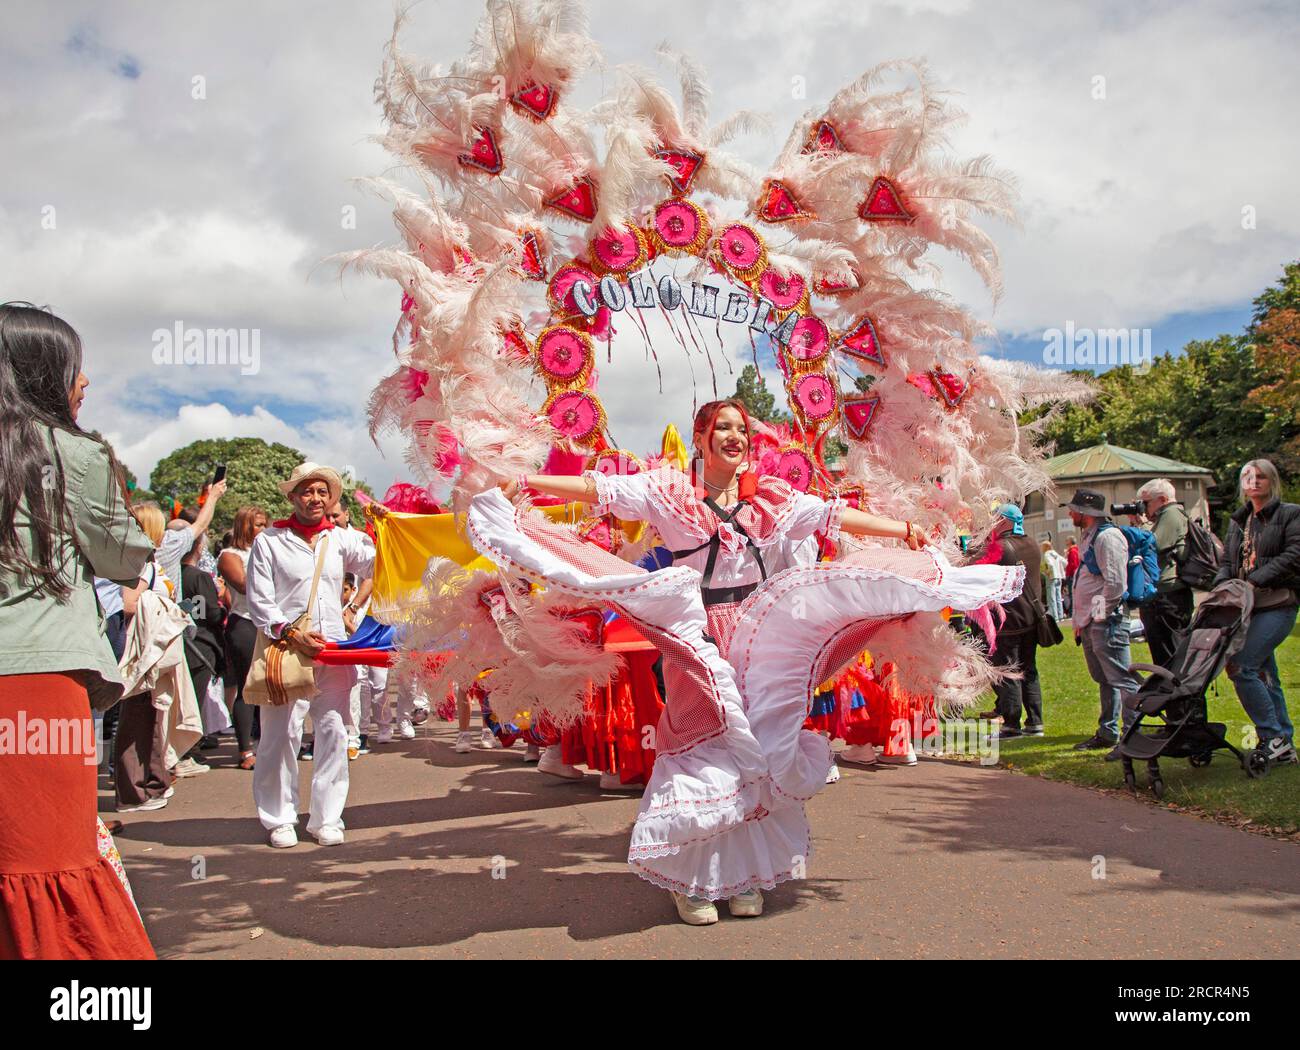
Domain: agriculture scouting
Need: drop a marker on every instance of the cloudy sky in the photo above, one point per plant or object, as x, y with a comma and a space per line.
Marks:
129, 205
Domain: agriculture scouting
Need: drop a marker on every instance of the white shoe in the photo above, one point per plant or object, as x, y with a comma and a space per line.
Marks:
385, 735
859, 755
532, 753
329, 836
148, 806
189, 767
284, 836
405, 729
833, 777
611, 782
169, 792
906, 759
747, 904
550, 762
488, 740
464, 743
695, 911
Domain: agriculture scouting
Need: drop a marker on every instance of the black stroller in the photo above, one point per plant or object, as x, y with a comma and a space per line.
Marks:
1176, 699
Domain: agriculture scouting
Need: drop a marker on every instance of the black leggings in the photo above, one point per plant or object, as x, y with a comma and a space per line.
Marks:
241, 639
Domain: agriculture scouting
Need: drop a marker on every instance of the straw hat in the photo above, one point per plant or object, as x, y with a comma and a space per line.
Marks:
312, 472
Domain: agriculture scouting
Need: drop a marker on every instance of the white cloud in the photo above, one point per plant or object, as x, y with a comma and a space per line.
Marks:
218, 211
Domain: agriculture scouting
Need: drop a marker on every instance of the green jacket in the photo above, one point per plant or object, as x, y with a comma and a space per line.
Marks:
39, 634
1171, 541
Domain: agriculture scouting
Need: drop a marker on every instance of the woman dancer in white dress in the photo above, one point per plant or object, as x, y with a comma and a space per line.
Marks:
723, 816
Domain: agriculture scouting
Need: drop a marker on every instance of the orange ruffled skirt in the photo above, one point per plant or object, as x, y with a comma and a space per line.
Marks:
59, 898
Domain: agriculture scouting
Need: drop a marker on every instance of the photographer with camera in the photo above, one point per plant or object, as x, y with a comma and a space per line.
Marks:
1166, 616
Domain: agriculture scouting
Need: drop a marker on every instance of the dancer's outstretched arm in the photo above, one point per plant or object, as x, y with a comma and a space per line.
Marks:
860, 523
571, 487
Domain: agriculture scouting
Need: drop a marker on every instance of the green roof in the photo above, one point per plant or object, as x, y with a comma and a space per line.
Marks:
1111, 459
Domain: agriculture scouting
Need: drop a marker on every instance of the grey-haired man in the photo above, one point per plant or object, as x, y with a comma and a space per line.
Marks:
1099, 617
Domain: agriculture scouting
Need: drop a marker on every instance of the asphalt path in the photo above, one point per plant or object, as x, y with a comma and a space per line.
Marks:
480, 855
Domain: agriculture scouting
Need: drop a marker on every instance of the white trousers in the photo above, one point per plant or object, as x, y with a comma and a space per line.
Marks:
275, 777
365, 701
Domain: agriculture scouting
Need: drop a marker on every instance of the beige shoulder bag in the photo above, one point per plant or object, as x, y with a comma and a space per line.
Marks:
279, 674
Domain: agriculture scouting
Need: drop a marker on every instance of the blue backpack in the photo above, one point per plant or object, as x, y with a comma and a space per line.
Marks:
1143, 565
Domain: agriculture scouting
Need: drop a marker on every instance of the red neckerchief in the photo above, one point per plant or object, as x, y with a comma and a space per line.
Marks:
305, 531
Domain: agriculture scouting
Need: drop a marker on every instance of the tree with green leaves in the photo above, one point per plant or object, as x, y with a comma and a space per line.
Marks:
759, 401
253, 469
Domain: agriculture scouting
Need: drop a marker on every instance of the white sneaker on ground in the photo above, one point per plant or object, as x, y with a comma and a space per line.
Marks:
859, 754
612, 782
189, 767
695, 911
906, 759
488, 740
284, 836
747, 904
464, 743
405, 729
532, 753
833, 777
551, 762
148, 806
385, 735
169, 792
329, 836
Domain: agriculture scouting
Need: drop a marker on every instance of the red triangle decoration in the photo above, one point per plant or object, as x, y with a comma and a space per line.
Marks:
823, 138
883, 203
531, 256
833, 284
778, 204
686, 165
579, 201
483, 153
861, 342
950, 387
859, 410
535, 100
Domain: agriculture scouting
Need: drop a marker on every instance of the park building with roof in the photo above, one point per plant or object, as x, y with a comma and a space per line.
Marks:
1117, 473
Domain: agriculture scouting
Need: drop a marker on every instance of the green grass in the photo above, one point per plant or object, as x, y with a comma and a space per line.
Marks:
1070, 709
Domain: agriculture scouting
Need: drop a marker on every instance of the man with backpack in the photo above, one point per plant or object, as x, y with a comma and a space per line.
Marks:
1101, 587
1166, 616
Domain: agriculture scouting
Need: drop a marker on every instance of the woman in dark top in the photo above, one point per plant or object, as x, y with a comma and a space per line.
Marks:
64, 519
1263, 548
205, 652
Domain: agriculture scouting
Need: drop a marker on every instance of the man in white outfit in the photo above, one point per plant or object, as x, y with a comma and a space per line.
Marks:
280, 569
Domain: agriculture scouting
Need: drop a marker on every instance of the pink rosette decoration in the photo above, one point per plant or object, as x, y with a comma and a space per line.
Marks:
810, 340
795, 466
785, 293
575, 414
564, 354
560, 292
620, 250
680, 226
815, 397
742, 249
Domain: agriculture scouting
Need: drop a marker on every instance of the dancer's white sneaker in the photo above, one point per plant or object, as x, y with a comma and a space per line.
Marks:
552, 763
908, 758
695, 911
611, 782
859, 755
405, 729
488, 740
747, 904
329, 836
833, 777
284, 836
464, 743
532, 753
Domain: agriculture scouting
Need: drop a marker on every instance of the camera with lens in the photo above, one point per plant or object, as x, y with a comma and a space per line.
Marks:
1136, 507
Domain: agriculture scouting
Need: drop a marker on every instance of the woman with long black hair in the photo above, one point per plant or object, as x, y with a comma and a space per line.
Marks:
64, 519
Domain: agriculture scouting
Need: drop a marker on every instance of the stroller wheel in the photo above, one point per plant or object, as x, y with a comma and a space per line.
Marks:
1202, 760
1158, 787
1130, 780
1255, 765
